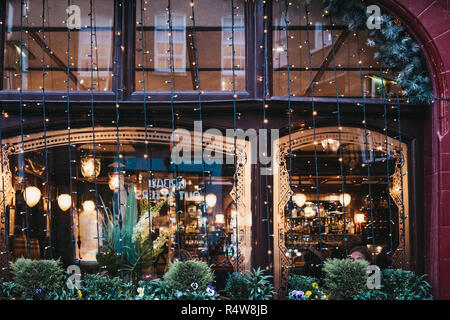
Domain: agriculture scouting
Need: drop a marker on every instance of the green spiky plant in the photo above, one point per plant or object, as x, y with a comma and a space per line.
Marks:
121, 249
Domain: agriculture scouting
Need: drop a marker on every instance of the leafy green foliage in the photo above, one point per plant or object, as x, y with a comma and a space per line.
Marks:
305, 284
181, 275
37, 279
374, 294
131, 253
250, 285
236, 287
397, 50
344, 278
8, 290
96, 287
259, 285
405, 285
161, 290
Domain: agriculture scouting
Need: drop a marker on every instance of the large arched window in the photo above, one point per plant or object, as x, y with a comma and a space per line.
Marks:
121, 188
336, 212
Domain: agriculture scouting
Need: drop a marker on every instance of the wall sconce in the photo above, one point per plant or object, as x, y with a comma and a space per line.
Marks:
90, 167
64, 201
32, 196
299, 199
89, 206
211, 200
345, 199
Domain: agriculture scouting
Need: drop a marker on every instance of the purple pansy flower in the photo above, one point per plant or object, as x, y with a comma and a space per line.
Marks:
297, 295
210, 290
194, 285
38, 290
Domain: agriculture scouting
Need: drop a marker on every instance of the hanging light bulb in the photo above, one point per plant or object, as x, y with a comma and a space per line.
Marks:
211, 200
309, 212
89, 206
299, 199
64, 201
116, 177
32, 196
90, 167
359, 217
345, 199
330, 144
220, 218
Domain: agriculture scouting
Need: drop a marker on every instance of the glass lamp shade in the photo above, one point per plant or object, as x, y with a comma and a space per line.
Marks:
32, 196
64, 202
89, 206
310, 212
220, 218
90, 167
116, 180
330, 144
211, 200
345, 199
359, 218
299, 199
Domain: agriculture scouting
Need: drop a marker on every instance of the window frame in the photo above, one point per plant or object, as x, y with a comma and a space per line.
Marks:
61, 95
124, 90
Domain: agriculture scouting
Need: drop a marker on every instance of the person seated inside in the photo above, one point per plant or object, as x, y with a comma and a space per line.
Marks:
361, 253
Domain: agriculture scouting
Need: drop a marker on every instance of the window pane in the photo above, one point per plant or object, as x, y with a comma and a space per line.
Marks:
322, 63
56, 39
343, 200
204, 234
213, 41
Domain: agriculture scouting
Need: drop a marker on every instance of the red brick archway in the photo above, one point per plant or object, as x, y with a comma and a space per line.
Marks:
428, 22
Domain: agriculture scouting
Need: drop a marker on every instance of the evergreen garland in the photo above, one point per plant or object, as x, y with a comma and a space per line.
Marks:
396, 49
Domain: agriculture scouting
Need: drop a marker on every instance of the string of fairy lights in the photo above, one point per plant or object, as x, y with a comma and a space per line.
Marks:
21, 105
338, 116
92, 114
69, 142
172, 111
290, 155
118, 169
314, 122
235, 156
265, 106
5, 250
147, 150
366, 145
386, 160
46, 198
402, 161
199, 108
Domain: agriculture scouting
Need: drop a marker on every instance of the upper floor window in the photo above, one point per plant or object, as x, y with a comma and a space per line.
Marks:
324, 39
45, 44
213, 45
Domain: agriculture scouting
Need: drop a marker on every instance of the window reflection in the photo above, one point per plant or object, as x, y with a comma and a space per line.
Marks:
324, 39
213, 41
345, 208
55, 55
125, 187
